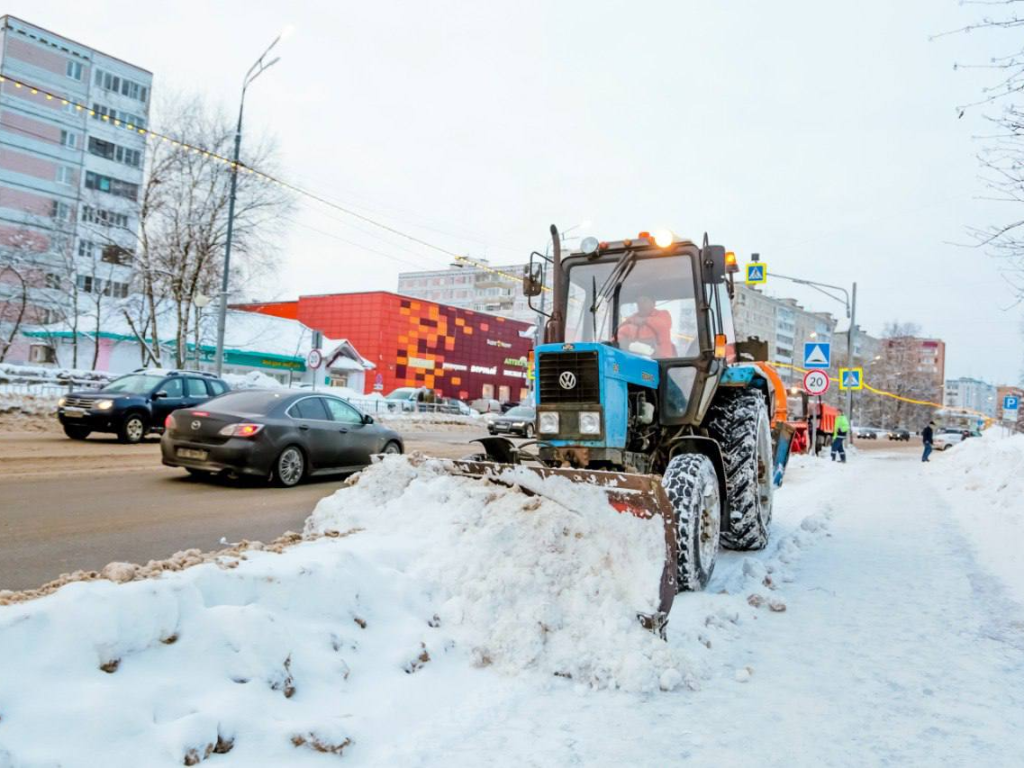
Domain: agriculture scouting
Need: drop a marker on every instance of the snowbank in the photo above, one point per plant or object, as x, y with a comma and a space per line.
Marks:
414, 601
985, 479
523, 582
251, 380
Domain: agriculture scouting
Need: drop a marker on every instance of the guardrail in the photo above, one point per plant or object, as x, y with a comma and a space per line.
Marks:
45, 389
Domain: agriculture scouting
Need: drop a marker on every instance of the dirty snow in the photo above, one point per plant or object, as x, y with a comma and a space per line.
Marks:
442, 630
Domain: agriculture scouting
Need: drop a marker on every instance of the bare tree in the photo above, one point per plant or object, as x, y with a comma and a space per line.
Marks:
898, 372
20, 252
183, 220
1002, 150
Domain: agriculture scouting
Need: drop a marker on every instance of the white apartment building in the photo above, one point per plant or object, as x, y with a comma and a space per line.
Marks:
783, 323
972, 394
495, 289
71, 170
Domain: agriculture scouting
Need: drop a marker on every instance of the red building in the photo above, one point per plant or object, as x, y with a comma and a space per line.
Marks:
417, 343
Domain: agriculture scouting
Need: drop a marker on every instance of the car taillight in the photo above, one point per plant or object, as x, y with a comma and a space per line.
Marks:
169, 422
240, 430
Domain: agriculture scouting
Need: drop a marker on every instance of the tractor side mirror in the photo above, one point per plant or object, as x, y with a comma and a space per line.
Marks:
533, 278
713, 263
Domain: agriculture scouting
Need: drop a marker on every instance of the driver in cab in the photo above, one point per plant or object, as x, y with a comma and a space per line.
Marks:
649, 326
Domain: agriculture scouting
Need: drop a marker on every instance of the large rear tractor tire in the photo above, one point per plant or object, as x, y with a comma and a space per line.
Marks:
738, 419
691, 485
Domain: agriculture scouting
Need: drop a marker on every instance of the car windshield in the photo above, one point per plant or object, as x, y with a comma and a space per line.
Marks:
401, 394
520, 412
652, 311
136, 384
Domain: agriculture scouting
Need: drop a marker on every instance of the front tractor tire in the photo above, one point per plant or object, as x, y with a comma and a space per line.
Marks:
738, 420
691, 485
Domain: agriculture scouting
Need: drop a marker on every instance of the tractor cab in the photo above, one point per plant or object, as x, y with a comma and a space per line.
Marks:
642, 330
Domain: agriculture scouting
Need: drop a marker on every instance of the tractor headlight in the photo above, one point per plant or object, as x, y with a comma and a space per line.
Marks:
590, 423
549, 423
103, 405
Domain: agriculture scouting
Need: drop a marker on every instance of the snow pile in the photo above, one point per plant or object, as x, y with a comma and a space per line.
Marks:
985, 478
35, 374
552, 584
27, 405
251, 380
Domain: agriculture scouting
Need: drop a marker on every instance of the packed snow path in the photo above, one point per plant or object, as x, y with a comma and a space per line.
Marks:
871, 631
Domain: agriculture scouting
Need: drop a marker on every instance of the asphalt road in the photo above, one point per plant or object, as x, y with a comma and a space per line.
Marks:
67, 505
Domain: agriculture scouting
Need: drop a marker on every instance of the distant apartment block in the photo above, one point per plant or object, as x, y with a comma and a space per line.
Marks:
783, 323
70, 177
496, 290
922, 356
971, 394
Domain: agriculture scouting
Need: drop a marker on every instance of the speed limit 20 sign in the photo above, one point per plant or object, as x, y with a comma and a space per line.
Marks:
816, 382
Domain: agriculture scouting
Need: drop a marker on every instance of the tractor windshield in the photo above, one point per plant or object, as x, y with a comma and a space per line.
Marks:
645, 306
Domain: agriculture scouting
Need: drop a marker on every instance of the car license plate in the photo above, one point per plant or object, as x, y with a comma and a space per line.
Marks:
501, 427
192, 453
74, 413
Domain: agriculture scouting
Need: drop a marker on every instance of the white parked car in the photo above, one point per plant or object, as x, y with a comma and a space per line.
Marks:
946, 440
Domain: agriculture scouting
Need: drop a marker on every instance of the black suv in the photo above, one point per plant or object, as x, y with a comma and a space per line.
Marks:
136, 404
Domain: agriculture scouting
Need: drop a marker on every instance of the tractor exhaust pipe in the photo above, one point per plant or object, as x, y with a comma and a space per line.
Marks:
554, 329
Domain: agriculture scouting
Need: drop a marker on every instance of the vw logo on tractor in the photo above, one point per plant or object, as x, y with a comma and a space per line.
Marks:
567, 380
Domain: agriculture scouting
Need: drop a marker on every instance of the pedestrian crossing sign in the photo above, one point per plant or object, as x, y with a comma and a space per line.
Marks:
757, 272
817, 354
851, 378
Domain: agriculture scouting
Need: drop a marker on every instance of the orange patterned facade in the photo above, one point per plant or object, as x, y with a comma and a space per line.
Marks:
417, 343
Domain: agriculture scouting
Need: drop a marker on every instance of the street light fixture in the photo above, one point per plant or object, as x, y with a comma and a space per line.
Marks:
255, 71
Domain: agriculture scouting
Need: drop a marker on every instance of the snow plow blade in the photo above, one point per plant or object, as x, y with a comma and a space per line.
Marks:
639, 495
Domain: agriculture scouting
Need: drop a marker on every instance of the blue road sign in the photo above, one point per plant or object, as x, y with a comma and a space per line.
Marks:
817, 354
757, 272
1011, 403
851, 378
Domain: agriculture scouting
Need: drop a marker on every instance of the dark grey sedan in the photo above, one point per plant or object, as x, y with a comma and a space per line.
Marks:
276, 434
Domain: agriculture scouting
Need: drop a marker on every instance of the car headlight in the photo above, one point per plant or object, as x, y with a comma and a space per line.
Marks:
590, 423
103, 405
549, 423
62, 402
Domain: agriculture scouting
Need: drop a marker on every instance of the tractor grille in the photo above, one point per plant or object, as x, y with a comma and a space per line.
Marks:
582, 366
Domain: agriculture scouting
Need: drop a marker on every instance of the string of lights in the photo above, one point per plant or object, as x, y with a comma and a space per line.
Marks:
175, 143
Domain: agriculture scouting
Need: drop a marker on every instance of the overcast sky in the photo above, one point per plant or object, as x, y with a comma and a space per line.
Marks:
821, 134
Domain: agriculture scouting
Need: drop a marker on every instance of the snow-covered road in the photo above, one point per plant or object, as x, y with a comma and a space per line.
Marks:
876, 629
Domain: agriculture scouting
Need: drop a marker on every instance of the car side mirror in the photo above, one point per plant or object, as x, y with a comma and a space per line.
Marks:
161, 393
533, 278
367, 418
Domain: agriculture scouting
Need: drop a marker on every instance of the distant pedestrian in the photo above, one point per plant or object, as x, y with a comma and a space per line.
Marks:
926, 438
839, 433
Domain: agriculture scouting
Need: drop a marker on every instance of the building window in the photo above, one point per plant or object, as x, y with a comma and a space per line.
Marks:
85, 283
60, 211
65, 175
69, 139
51, 280
115, 254
122, 85
114, 187
85, 249
42, 353
104, 217
74, 70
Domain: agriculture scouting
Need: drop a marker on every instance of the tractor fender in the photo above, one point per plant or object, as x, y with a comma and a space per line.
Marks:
710, 448
764, 378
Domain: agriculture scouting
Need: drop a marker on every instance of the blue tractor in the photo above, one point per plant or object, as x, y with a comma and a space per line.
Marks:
641, 388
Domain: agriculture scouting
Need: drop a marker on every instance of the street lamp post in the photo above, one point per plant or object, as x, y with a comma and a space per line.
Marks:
255, 71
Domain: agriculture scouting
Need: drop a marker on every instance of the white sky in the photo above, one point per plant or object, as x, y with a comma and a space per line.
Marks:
822, 135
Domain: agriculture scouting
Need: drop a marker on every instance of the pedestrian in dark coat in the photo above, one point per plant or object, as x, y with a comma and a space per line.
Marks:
926, 438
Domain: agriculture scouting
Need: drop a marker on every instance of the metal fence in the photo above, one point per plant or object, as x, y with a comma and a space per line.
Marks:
45, 389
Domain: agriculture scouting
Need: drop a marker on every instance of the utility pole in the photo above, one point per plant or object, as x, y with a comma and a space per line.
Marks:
850, 340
